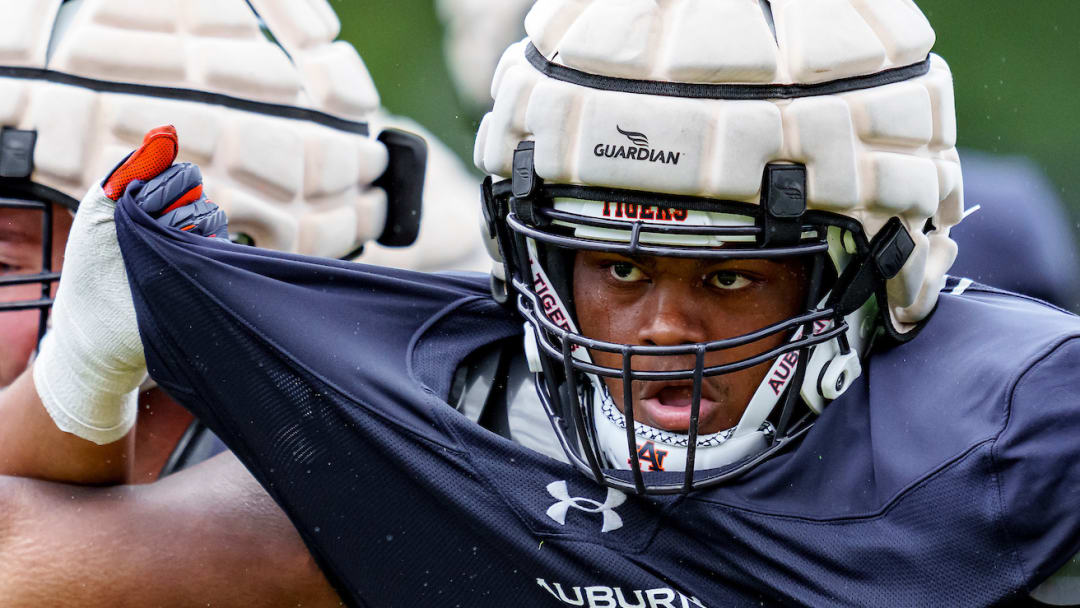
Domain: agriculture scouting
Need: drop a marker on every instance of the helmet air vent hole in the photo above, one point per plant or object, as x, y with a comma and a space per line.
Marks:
242, 238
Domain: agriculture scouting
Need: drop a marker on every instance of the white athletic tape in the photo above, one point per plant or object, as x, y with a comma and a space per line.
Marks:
91, 362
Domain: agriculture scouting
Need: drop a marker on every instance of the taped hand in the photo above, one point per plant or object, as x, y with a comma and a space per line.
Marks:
91, 362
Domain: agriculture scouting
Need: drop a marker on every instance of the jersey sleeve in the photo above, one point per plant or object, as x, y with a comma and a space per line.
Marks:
314, 373
1037, 458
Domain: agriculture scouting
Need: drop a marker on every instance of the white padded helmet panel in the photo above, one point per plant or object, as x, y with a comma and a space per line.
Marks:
477, 31
293, 184
680, 41
872, 154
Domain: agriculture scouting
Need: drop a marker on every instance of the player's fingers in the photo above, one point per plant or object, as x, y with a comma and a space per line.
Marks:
157, 153
179, 185
200, 217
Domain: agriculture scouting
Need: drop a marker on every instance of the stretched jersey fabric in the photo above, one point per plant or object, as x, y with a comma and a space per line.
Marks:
948, 476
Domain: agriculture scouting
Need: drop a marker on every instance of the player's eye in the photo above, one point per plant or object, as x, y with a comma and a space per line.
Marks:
11, 268
626, 272
727, 279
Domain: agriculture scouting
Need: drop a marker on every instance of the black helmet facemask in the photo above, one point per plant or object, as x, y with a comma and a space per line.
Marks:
20, 195
43, 278
541, 227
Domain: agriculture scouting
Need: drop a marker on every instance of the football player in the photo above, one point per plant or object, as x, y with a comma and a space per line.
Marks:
80, 86
93, 76
728, 239
159, 541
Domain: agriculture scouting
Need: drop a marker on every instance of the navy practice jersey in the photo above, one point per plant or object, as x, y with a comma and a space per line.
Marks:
948, 475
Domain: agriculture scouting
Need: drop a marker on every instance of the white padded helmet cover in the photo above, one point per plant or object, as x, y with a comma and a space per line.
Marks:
870, 154
292, 184
477, 32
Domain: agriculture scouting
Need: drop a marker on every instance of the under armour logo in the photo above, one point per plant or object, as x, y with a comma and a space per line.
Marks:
558, 511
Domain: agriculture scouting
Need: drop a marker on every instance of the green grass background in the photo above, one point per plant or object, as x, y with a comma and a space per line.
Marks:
1016, 66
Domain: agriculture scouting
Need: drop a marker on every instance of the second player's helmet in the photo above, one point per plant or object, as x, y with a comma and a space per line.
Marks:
719, 129
273, 109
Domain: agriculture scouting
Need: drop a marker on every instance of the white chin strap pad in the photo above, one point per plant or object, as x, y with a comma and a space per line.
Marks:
666, 451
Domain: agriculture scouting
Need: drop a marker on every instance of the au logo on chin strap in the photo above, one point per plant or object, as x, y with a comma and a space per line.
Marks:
558, 511
648, 454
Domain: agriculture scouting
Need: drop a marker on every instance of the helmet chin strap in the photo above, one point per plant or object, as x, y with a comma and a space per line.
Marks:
661, 450
832, 369
668, 449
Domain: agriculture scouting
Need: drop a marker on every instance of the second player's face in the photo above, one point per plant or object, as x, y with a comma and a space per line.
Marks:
20, 253
656, 301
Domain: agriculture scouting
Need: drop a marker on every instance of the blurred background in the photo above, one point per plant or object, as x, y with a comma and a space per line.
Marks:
1016, 67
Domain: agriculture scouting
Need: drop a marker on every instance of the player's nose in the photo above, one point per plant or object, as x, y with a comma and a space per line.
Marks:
670, 316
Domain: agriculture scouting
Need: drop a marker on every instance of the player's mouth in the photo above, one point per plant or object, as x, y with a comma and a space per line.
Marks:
667, 406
